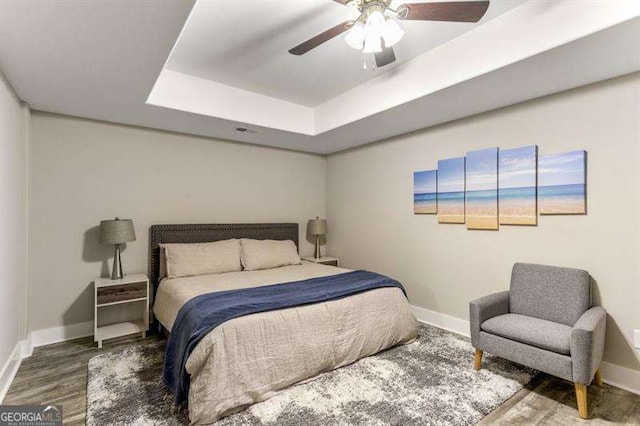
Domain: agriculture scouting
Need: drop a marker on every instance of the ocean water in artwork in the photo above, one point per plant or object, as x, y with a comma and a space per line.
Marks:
562, 185
425, 198
563, 199
517, 197
451, 187
425, 203
482, 189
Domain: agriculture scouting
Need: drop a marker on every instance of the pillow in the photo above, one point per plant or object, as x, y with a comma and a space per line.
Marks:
267, 254
188, 260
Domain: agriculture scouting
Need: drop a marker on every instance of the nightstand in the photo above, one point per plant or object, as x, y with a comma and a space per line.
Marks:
325, 260
107, 292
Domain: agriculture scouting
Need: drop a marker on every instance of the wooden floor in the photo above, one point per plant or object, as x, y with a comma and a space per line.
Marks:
57, 374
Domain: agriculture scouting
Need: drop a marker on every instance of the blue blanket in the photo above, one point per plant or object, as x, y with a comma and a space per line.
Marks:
203, 313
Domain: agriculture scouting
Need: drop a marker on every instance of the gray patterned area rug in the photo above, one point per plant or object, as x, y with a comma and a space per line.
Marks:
430, 381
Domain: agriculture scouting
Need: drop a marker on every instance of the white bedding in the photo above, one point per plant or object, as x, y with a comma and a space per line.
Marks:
173, 293
251, 358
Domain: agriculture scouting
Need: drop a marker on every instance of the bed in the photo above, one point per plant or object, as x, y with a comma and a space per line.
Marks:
251, 358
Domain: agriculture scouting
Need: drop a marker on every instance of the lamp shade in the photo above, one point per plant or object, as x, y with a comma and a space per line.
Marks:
116, 231
391, 32
317, 227
355, 36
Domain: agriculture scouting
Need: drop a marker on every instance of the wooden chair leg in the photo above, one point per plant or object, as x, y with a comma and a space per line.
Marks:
598, 378
478, 361
581, 397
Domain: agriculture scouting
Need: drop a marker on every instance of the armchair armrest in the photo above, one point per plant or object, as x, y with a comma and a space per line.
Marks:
484, 308
587, 344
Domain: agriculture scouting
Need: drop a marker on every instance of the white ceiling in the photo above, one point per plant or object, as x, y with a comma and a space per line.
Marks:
104, 60
245, 43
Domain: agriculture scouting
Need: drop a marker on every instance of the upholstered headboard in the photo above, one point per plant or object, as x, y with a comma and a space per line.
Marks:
202, 233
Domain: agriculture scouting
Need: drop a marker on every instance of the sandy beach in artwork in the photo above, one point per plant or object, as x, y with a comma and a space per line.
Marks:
451, 211
518, 212
560, 206
482, 209
482, 215
482, 222
425, 208
518, 220
451, 218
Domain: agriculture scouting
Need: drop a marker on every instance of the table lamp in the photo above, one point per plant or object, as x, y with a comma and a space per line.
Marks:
318, 228
117, 231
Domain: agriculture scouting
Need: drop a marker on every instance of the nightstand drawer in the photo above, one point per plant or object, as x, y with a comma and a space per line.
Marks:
330, 262
119, 293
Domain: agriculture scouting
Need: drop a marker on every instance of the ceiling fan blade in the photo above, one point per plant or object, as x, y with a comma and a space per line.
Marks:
344, 2
316, 41
385, 57
455, 11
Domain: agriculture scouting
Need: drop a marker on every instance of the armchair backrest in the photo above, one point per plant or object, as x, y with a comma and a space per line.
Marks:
549, 292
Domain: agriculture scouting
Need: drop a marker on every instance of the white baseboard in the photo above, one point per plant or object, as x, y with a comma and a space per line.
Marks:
10, 368
612, 374
444, 321
59, 334
621, 377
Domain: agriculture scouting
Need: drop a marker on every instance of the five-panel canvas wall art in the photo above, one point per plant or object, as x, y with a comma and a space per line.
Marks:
491, 187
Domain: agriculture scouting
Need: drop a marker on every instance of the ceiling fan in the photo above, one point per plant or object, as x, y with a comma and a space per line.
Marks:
376, 30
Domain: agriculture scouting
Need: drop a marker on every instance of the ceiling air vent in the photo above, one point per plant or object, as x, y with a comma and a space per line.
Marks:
245, 130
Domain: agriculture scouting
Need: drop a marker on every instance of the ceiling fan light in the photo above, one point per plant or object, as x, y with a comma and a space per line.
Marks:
355, 36
391, 33
372, 43
375, 22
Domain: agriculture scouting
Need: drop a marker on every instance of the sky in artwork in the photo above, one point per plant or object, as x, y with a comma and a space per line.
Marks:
518, 167
425, 182
451, 175
482, 170
567, 168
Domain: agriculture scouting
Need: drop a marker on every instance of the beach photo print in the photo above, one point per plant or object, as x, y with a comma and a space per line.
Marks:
562, 183
482, 189
517, 181
425, 187
492, 187
451, 189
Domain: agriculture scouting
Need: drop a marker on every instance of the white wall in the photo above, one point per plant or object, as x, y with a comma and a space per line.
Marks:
372, 225
84, 171
14, 117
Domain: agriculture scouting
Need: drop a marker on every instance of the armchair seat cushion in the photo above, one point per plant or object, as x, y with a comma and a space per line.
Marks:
543, 334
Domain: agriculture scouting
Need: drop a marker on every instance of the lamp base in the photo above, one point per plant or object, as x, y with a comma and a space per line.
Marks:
117, 273
318, 255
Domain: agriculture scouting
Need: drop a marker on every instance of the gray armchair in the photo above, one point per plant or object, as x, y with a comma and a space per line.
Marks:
545, 321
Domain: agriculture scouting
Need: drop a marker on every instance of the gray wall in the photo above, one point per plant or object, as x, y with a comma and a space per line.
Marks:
372, 226
14, 118
84, 171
